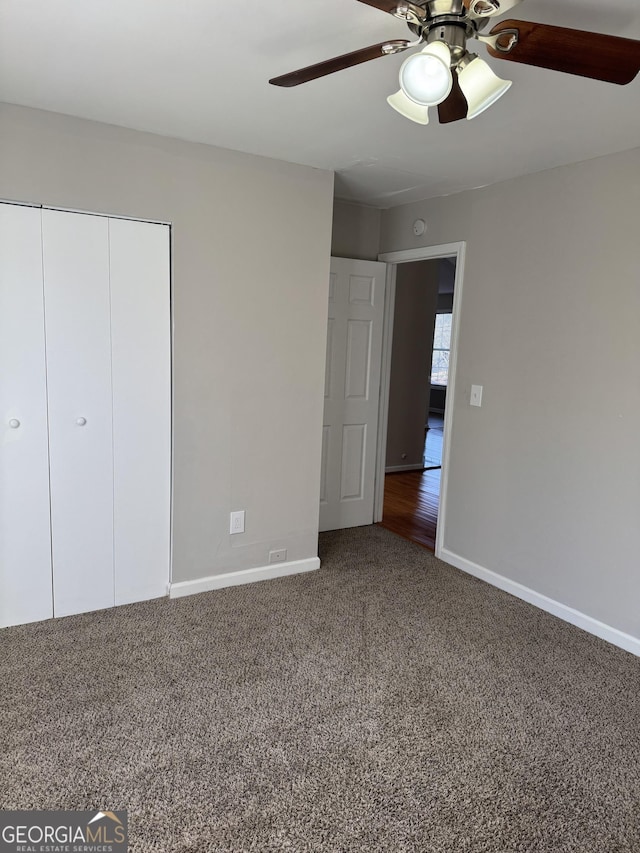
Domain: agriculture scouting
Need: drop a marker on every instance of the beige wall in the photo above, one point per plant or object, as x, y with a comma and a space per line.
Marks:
544, 481
251, 247
356, 231
413, 324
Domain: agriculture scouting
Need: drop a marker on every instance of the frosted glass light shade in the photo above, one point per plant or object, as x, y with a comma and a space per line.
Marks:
408, 108
426, 77
480, 86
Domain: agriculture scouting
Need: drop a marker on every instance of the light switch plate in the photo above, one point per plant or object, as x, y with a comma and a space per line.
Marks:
476, 395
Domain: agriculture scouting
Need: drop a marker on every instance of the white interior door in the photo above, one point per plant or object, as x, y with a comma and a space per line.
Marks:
77, 315
141, 362
25, 543
352, 388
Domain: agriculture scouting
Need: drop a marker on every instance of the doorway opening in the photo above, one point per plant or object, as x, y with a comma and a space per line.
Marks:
418, 378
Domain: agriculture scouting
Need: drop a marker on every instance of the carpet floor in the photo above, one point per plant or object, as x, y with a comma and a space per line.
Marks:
384, 703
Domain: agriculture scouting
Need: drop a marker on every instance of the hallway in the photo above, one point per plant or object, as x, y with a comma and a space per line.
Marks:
411, 498
411, 501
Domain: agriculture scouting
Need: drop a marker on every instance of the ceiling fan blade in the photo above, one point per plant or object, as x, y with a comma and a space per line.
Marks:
338, 63
601, 57
389, 6
455, 106
488, 8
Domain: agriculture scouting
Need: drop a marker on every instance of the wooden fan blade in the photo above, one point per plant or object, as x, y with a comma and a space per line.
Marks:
338, 63
601, 57
455, 106
389, 6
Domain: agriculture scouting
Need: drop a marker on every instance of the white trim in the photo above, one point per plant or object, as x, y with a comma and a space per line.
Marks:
396, 469
385, 385
172, 356
425, 253
451, 390
262, 573
84, 212
549, 605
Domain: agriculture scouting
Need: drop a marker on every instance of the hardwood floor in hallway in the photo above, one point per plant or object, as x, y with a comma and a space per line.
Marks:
411, 498
411, 501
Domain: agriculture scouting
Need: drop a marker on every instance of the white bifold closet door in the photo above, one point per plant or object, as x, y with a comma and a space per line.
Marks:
85, 409
141, 377
25, 537
78, 330
108, 363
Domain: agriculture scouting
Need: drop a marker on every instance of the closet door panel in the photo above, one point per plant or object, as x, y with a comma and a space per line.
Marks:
77, 316
140, 325
25, 544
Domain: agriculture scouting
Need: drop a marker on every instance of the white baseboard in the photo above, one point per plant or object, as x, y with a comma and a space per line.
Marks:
262, 573
567, 614
395, 469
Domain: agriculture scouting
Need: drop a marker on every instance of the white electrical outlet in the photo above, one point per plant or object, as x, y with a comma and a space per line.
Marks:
278, 556
237, 522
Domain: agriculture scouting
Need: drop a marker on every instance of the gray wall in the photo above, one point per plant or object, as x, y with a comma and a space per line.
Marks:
356, 231
544, 481
413, 323
251, 248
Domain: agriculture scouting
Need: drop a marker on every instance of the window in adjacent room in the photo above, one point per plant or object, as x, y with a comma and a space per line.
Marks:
441, 348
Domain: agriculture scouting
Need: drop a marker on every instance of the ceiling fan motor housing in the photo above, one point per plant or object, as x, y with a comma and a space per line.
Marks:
447, 21
435, 8
452, 33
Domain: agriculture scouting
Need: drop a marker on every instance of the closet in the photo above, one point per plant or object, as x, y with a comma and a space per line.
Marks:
85, 409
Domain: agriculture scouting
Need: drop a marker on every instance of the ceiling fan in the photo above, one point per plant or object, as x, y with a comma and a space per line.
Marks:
446, 74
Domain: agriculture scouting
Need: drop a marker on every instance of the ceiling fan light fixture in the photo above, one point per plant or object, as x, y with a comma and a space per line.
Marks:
425, 77
481, 86
408, 108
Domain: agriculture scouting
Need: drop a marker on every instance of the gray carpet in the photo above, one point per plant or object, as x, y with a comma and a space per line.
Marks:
385, 703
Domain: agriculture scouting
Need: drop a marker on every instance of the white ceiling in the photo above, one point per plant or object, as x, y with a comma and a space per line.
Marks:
198, 70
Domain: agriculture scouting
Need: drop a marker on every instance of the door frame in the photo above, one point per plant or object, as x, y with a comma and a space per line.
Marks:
392, 259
